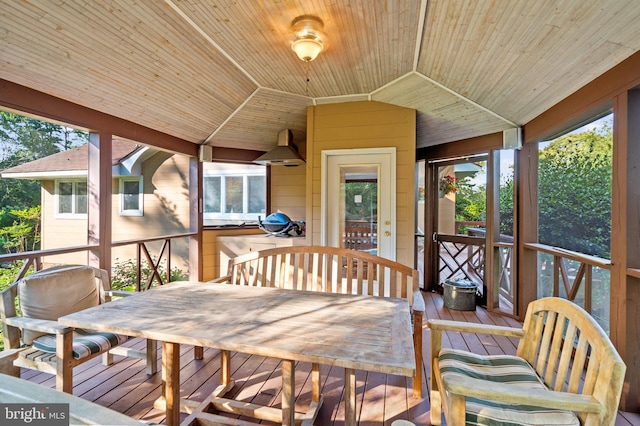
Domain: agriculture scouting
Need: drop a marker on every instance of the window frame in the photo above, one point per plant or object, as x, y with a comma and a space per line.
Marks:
244, 174
74, 196
131, 212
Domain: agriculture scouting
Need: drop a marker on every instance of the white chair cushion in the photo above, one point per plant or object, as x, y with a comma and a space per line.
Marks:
501, 369
85, 343
55, 292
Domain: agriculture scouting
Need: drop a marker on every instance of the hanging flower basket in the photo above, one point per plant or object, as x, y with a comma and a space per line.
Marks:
447, 185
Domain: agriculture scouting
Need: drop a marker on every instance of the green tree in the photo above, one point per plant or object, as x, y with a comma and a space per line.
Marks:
24, 233
574, 192
506, 206
23, 140
471, 202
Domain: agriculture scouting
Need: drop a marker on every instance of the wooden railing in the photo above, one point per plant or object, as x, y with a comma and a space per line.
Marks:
164, 253
34, 258
572, 281
474, 223
461, 256
505, 256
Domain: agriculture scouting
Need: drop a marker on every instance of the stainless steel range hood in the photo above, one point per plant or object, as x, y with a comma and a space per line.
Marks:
285, 154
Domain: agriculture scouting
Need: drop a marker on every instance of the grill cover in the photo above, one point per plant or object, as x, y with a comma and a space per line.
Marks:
280, 224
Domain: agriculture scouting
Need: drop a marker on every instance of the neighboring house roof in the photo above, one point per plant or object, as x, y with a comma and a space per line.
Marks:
70, 163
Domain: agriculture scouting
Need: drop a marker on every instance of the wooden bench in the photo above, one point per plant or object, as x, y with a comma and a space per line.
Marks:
330, 269
565, 371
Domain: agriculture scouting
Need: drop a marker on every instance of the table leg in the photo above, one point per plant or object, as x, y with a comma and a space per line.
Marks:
171, 381
350, 396
288, 394
225, 360
315, 382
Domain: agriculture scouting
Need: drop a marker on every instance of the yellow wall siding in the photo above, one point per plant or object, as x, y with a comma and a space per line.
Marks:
365, 125
211, 267
57, 233
288, 189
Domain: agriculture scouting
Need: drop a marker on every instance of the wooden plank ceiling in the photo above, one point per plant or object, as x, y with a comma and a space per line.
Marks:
223, 73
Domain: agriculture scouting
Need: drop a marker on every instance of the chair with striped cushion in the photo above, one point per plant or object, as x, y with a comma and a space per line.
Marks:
32, 338
566, 371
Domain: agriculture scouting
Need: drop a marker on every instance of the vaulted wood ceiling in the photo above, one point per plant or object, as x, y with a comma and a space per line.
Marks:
223, 73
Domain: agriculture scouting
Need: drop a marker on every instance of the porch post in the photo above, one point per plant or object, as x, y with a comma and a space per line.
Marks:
526, 200
99, 199
625, 242
492, 234
195, 219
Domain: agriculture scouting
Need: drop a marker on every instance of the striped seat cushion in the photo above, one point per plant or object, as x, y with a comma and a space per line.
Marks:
85, 343
502, 369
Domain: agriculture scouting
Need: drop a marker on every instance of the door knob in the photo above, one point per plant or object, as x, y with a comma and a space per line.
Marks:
387, 233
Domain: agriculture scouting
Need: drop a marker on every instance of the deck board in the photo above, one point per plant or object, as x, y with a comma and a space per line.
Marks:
381, 399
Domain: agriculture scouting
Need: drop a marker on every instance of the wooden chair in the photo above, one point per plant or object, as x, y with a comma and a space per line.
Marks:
34, 339
565, 371
333, 270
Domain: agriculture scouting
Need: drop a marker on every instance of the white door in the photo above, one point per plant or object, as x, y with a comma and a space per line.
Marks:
359, 200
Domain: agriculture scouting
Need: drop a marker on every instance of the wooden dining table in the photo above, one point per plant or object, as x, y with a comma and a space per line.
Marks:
351, 331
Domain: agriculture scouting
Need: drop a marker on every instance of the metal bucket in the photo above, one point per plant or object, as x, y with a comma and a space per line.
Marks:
460, 295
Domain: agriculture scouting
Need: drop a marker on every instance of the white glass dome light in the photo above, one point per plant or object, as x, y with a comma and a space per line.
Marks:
308, 43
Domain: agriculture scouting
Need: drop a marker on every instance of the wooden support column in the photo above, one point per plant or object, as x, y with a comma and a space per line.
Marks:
195, 220
99, 186
625, 242
431, 225
526, 203
492, 235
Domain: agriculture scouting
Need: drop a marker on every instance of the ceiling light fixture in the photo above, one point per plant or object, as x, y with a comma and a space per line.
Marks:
308, 43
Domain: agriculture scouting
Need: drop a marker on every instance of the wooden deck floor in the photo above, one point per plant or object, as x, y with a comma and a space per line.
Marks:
126, 388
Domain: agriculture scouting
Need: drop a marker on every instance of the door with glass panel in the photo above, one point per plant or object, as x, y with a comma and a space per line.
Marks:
358, 200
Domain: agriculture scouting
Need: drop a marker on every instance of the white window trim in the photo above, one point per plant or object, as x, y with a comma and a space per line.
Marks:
140, 210
245, 194
57, 213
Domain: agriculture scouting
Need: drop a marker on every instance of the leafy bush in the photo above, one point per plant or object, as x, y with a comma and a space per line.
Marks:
124, 274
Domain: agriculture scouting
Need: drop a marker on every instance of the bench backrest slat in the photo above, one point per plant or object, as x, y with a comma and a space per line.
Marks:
329, 269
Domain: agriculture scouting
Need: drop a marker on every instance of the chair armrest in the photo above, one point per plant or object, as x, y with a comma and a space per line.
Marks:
43, 326
492, 391
418, 302
470, 327
220, 280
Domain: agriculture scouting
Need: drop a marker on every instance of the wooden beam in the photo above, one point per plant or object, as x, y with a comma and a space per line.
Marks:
232, 155
24, 100
464, 147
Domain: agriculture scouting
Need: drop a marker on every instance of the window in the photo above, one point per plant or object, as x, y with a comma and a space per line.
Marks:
574, 189
71, 199
233, 193
131, 196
